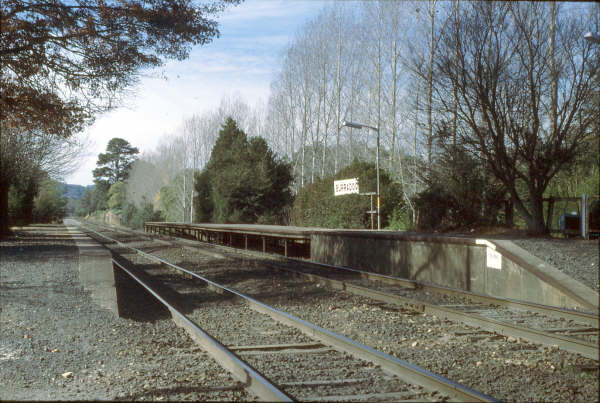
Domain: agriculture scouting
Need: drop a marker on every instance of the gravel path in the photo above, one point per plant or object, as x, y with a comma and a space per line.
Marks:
57, 344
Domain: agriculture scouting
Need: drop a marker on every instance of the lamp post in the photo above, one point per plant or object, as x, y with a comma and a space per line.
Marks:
592, 37
360, 126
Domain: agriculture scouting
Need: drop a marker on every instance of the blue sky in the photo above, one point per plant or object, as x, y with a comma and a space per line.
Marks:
242, 61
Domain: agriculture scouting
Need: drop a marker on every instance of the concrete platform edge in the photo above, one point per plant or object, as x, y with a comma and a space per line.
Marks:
548, 273
95, 268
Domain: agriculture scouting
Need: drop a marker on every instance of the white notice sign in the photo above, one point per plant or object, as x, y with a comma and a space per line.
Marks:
345, 187
494, 259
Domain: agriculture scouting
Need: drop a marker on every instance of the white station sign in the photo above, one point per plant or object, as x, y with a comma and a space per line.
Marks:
345, 187
493, 259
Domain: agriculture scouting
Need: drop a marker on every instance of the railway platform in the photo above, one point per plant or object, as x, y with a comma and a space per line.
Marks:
493, 267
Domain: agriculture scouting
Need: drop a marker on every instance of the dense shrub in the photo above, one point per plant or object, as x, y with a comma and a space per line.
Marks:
316, 206
116, 195
21, 201
135, 217
243, 181
36, 199
49, 203
460, 192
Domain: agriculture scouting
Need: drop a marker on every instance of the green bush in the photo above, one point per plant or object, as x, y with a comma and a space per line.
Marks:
134, 217
21, 197
434, 208
316, 206
49, 204
243, 181
116, 195
401, 219
460, 192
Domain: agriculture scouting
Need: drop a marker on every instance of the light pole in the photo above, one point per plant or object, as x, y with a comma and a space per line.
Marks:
360, 126
592, 37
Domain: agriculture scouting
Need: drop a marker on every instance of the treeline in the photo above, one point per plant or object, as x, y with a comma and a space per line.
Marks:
243, 181
110, 188
36, 198
483, 109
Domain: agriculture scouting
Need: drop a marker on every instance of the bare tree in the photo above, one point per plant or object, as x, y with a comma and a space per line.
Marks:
515, 62
144, 181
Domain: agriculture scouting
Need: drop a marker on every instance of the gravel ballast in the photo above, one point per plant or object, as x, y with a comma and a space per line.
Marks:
304, 374
577, 258
56, 343
504, 367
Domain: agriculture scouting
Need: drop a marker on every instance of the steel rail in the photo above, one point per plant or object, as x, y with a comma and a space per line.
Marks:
590, 319
403, 369
573, 345
569, 314
251, 378
566, 343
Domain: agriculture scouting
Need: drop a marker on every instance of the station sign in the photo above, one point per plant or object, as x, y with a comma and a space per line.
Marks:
493, 259
345, 187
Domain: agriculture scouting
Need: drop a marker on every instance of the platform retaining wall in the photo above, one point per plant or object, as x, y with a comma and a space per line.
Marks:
96, 272
497, 268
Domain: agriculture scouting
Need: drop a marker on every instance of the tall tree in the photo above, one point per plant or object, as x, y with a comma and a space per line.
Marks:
243, 181
63, 61
115, 163
50, 203
524, 81
144, 181
24, 155
116, 195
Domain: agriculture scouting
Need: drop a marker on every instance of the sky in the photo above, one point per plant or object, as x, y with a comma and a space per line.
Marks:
243, 60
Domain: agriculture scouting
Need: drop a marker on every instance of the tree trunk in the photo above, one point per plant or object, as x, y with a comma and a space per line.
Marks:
534, 216
509, 213
4, 184
553, 72
430, 88
415, 149
338, 93
393, 112
303, 144
454, 84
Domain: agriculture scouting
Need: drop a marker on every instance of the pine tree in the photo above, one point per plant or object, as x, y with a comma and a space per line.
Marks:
114, 165
243, 181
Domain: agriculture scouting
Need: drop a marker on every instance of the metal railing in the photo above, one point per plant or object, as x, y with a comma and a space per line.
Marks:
573, 216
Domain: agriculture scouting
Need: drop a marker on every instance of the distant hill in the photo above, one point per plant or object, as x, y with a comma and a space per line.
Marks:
75, 191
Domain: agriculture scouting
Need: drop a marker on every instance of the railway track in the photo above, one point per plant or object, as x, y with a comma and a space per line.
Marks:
307, 362
573, 331
367, 318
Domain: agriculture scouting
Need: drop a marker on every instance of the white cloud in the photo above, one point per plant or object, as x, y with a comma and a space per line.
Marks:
268, 9
243, 60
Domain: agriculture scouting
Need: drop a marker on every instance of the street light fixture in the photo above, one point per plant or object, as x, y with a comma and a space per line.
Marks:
592, 37
360, 126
